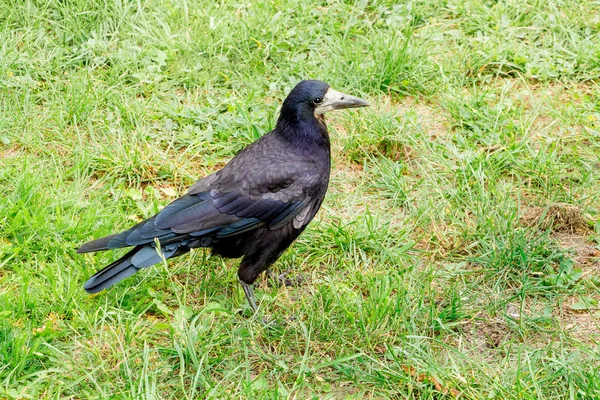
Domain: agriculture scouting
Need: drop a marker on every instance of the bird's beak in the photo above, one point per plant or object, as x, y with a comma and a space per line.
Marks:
334, 100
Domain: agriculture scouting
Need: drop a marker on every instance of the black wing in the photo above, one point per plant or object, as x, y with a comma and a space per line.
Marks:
230, 202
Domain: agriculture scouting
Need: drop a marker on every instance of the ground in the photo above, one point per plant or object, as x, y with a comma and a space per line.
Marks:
456, 254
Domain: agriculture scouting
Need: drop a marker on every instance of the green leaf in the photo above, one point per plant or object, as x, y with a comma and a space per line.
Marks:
260, 383
163, 307
580, 305
586, 303
184, 311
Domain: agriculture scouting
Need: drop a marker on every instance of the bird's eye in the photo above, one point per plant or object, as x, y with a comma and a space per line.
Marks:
317, 100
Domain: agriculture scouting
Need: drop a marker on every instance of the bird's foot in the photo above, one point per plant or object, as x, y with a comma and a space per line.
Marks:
283, 279
249, 292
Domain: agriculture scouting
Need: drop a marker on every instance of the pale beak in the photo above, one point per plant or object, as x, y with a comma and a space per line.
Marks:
334, 100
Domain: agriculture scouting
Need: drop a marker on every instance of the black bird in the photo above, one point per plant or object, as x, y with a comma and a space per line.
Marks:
254, 207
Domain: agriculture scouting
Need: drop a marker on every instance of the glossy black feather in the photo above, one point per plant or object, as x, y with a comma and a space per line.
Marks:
254, 207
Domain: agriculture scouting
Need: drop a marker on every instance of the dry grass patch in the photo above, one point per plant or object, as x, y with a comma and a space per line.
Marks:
585, 254
485, 332
558, 217
583, 325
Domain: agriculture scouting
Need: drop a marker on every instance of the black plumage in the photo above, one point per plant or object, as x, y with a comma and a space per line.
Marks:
254, 207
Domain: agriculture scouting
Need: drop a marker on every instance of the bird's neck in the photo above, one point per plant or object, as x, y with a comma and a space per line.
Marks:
308, 133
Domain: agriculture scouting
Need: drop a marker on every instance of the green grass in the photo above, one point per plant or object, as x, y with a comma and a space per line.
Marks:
457, 253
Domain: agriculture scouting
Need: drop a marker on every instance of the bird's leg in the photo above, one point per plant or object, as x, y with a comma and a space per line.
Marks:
249, 295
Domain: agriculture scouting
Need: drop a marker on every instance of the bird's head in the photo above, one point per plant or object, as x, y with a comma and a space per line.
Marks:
311, 99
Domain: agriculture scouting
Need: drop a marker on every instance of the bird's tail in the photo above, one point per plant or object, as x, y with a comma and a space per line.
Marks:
139, 257
95, 245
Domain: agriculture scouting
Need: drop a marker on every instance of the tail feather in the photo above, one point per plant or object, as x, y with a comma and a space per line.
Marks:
97, 285
141, 233
95, 245
112, 273
139, 257
148, 256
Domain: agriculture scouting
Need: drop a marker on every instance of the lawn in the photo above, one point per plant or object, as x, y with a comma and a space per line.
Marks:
457, 253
